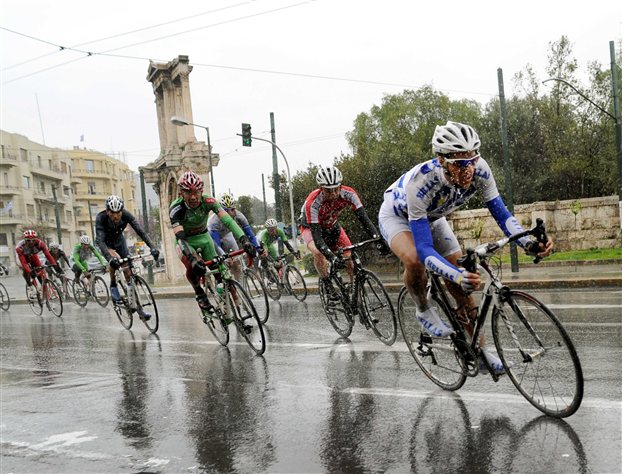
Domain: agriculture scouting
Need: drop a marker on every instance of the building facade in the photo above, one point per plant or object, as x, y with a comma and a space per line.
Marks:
50, 190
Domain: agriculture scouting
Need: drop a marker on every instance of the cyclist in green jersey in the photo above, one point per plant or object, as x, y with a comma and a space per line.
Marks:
189, 214
81, 253
271, 235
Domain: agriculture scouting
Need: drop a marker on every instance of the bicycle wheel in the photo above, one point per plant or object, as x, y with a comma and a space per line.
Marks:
5, 301
336, 312
100, 292
538, 355
245, 316
34, 299
376, 305
124, 314
257, 292
145, 304
80, 292
436, 357
295, 283
271, 281
53, 301
217, 325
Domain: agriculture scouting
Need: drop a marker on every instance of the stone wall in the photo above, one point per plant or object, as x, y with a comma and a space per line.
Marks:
573, 225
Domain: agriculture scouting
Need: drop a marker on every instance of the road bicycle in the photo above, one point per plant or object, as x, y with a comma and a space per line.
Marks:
5, 301
366, 297
42, 291
136, 297
231, 304
254, 286
64, 284
285, 280
536, 351
91, 286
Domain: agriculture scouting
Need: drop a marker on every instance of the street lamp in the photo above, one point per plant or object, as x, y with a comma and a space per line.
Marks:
180, 122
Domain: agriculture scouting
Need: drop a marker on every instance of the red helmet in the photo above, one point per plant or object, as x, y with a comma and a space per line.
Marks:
30, 234
190, 181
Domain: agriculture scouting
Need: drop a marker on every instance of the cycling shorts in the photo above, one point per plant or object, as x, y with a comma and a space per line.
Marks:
334, 242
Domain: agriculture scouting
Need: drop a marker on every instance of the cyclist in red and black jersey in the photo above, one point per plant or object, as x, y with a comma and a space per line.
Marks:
27, 251
319, 227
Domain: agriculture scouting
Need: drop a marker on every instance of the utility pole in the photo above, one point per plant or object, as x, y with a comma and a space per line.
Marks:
507, 164
275, 173
146, 220
618, 122
265, 206
88, 203
59, 232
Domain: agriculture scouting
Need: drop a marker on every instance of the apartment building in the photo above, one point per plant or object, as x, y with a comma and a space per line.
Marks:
39, 189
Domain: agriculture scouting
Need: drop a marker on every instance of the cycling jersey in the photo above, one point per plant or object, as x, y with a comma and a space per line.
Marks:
423, 195
82, 254
110, 235
316, 210
219, 231
27, 255
268, 240
59, 255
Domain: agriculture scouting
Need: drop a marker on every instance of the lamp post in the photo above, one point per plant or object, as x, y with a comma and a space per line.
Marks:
180, 122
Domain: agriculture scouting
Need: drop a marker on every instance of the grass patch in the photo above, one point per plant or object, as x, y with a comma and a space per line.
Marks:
595, 254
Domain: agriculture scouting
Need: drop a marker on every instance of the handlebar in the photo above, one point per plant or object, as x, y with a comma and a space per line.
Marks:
339, 252
132, 258
221, 258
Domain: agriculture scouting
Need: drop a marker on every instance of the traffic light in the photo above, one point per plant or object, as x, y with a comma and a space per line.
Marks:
247, 139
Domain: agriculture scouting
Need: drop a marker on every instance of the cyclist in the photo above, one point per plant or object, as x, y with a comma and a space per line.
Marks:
413, 222
271, 235
189, 216
319, 227
81, 253
59, 255
109, 226
223, 237
27, 258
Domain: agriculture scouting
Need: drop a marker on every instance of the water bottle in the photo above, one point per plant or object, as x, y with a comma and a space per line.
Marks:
220, 289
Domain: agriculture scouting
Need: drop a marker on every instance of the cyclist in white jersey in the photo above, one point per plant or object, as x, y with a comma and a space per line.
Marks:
413, 221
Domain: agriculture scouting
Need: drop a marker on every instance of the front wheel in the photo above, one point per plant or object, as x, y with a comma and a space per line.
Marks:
538, 355
53, 301
437, 357
336, 311
5, 301
100, 292
295, 283
376, 305
124, 314
245, 317
258, 294
145, 304
80, 292
34, 299
271, 280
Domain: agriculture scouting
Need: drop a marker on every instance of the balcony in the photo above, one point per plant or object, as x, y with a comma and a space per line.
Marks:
11, 218
9, 190
8, 160
43, 196
52, 172
84, 173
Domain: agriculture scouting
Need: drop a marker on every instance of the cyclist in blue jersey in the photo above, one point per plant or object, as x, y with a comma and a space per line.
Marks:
413, 221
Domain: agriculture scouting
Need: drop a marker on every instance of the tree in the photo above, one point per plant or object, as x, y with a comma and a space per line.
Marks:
245, 206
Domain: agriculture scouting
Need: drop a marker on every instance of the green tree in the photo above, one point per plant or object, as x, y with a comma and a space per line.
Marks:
245, 206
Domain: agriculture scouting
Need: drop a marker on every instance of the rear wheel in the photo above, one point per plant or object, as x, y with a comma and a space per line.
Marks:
258, 294
145, 304
378, 309
5, 302
437, 357
336, 312
216, 324
52, 298
245, 317
124, 314
295, 283
100, 291
34, 299
80, 292
271, 280
538, 355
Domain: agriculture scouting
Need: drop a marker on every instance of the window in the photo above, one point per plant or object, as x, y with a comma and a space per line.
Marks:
26, 182
63, 167
5, 179
23, 154
69, 217
94, 210
4, 240
30, 210
92, 189
39, 161
41, 186
66, 191
89, 165
3, 155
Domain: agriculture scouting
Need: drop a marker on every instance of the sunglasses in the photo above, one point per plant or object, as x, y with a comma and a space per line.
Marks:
463, 163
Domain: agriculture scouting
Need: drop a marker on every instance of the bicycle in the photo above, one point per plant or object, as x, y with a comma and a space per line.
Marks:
231, 304
536, 351
91, 286
136, 297
5, 301
64, 284
366, 297
287, 280
254, 286
42, 292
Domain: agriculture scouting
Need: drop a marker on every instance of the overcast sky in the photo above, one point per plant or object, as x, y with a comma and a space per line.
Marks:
358, 52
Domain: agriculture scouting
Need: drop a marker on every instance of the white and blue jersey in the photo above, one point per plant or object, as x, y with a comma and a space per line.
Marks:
423, 195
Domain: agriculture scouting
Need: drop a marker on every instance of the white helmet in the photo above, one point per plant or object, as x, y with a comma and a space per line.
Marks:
271, 223
114, 203
85, 239
227, 201
328, 177
454, 137
53, 246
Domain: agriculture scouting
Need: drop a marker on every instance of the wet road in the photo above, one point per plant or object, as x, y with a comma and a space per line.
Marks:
81, 394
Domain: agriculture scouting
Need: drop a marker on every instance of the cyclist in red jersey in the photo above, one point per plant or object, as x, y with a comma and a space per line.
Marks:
27, 251
319, 227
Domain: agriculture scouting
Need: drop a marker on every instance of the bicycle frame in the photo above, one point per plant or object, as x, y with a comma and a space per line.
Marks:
351, 296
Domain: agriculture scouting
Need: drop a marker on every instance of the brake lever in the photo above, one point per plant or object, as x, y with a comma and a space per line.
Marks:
468, 261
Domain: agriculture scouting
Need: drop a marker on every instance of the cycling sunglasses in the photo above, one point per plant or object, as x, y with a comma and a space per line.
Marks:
463, 163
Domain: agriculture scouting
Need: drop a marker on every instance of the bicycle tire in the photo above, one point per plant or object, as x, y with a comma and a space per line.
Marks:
5, 301
145, 303
271, 281
337, 314
34, 300
245, 316
437, 358
253, 285
217, 324
99, 291
53, 301
549, 375
295, 283
80, 293
125, 316
377, 308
